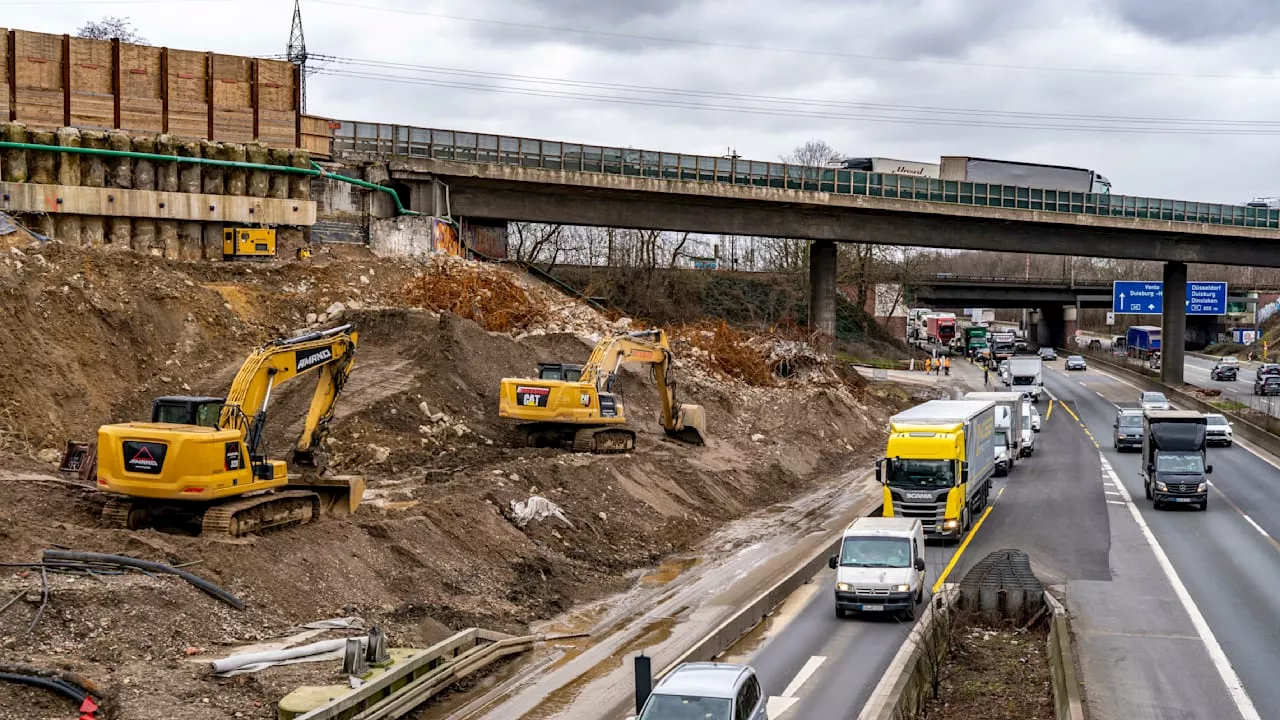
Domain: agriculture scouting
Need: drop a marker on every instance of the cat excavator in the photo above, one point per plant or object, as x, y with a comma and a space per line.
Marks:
203, 458
576, 405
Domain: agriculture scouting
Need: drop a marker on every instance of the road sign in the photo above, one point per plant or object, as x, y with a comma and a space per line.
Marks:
1206, 298
1138, 297
1143, 297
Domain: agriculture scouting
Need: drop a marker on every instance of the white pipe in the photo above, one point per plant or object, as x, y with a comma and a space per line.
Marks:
269, 657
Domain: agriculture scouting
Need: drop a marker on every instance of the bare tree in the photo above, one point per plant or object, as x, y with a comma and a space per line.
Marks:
111, 27
814, 153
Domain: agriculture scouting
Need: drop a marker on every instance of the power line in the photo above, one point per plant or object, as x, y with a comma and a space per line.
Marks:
774, 99
748, 110
793, 50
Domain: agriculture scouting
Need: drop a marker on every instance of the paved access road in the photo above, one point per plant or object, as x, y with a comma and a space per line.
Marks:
1196, 372
814, 665
1170, 640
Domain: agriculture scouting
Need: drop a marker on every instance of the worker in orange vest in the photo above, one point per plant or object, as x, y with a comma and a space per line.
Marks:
927, 365
946, 365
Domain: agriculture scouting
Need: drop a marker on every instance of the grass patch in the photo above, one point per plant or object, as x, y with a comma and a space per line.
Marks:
1229, 405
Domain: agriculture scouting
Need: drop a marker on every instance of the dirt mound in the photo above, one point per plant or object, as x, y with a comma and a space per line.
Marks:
445, 538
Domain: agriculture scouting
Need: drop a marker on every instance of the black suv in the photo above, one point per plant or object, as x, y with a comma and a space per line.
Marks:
1127, 430
1267, 385
1224, 371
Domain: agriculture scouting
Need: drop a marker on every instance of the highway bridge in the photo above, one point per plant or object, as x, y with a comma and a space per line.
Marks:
494, 177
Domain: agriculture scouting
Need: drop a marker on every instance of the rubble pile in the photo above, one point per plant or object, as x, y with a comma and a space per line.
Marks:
481, 293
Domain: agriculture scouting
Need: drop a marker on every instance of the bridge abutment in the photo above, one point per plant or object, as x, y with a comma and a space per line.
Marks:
822, 288
1070, 314
1174, 335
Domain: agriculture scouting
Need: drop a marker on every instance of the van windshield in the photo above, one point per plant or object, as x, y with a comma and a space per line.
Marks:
685, 707
1131, 421
921, 474
874, 552
1179, 462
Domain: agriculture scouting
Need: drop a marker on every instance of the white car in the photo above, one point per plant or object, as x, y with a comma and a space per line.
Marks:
1217, 430
1154, 401
1035, 419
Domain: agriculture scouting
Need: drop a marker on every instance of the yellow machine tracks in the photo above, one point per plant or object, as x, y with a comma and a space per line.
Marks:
257, 514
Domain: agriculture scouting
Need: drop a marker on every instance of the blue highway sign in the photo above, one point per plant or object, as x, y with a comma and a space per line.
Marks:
1206, 298
1139, 297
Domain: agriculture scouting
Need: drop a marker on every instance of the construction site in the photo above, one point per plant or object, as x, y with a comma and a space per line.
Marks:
461, 524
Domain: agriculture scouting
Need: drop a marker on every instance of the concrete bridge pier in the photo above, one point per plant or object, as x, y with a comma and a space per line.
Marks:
822, 289
1174, 333
1070, 313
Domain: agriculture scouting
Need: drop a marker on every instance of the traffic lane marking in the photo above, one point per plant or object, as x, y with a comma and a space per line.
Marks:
1220, 661
960, 551
777, 705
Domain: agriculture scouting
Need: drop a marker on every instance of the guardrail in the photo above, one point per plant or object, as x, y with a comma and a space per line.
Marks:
418, 142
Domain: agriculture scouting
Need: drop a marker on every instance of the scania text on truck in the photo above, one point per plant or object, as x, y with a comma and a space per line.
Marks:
940, 328
1027, 372
938, 464
1173, 458
1010, 435
1143, 340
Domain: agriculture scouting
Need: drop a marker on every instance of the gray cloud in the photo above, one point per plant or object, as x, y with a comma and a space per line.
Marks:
1192, 21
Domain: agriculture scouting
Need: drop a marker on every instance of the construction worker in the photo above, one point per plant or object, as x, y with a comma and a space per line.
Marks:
986, 377
946, 364
926, 365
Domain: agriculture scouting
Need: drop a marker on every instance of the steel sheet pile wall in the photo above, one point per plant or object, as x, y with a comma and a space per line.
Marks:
52, 81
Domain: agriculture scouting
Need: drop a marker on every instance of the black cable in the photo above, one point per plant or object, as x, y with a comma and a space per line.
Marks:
61, 687
196, 580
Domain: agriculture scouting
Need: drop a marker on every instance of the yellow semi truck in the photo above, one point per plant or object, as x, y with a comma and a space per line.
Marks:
938, 463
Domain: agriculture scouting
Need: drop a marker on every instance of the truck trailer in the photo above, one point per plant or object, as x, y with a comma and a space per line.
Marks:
889, 166
1010, 430
1028, 175
1003, 345
1173, 458
940, 328
1142, 341
938, 464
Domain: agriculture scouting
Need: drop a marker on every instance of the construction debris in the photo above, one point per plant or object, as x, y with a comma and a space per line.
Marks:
483, 294
536, 507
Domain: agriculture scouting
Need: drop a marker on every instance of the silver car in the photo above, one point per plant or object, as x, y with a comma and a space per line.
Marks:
1154, 401
707, 691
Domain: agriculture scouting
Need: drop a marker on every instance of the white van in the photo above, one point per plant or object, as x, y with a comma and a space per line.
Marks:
880, 566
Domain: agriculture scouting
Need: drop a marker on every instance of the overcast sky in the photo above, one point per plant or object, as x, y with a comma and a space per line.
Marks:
1133, 64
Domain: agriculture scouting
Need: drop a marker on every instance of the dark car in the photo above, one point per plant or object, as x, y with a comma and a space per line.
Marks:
1127, 430
1269, 385
1269, 370
1048, 353
1075, 362
1224, 371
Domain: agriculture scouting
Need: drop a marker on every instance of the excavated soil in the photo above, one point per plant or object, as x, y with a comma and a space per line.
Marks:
435, 547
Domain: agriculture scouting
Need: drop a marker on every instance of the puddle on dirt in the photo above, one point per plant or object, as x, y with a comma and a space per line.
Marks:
655, 632
669, 570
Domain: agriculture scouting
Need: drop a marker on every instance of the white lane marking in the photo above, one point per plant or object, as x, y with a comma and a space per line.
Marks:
778, 705
1116, 502
1114, 493
1255, 525
1220, 661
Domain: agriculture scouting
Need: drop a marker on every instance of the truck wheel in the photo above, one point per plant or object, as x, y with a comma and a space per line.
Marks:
1146, 489
964, 521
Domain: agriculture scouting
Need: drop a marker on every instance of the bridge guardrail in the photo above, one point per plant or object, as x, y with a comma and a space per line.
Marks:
402, 140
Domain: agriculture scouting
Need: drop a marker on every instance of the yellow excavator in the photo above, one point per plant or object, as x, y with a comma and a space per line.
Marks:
203, 458
576, 405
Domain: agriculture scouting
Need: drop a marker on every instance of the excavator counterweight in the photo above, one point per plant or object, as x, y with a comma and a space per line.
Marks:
575, 405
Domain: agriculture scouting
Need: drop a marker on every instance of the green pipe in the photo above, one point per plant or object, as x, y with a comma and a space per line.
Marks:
314, 171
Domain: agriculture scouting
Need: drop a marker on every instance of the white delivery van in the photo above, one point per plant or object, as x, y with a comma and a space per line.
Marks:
880, 566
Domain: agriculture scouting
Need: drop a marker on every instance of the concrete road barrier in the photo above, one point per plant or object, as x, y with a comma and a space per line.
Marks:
1067, 701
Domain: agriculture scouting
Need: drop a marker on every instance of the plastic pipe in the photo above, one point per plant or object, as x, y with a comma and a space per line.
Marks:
314, 171
127, 561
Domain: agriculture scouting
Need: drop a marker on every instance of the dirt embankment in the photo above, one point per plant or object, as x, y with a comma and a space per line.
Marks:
436, 547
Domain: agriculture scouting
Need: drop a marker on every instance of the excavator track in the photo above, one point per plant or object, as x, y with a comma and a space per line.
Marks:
115, 514
261, 513
606, 440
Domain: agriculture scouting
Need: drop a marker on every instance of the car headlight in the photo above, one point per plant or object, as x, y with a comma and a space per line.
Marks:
1202, 487
844, 587
901, 588
1161, 486
948, 524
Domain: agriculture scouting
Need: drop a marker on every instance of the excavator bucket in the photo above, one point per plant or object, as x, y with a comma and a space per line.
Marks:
339, 494
691, 425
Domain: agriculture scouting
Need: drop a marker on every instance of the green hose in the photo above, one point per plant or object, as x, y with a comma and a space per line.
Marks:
314, 171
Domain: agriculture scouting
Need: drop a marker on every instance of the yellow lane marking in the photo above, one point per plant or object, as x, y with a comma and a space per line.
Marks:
956, 558
1048, 413
1070, 412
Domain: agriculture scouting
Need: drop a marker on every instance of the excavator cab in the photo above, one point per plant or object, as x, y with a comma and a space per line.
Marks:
187, 410
559, 371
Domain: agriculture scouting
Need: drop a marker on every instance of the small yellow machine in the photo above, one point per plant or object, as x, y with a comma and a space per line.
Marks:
576, 404
202, 458
248, 243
